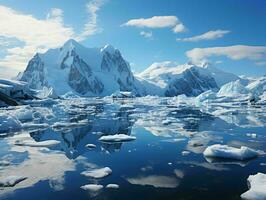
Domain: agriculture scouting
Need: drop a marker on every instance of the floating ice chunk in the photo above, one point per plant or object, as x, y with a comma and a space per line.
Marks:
31, 143
231, 89
9, 123
47, 92
33, 126
92, 187
113, 186
224, 151
97, 173
184, 153
257, 187
11, 181
253, 135
117, 138
208, 95
91, 146
22, 113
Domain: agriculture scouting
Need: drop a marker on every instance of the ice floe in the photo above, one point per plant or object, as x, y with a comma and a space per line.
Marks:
92, 187
113, 186
91, 146
9, 123
97, 173
257, 187
117, 138
225, 151
11, 181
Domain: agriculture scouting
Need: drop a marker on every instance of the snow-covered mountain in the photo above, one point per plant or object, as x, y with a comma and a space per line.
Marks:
85, 71
188, 79
103, 71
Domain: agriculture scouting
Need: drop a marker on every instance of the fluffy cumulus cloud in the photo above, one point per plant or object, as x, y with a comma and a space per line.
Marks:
38, 35
210, 35
236, 52
158, 22
146, 34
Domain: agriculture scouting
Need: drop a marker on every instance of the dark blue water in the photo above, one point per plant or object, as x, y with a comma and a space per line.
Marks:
150, 167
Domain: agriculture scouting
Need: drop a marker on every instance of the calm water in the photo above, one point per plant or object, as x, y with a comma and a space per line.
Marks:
154, 166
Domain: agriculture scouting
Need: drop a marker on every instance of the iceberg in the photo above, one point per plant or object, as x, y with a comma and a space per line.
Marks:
257, 187
113, 186
9, 123
97, 173
224, 151
232, 89
92, 187
117, 138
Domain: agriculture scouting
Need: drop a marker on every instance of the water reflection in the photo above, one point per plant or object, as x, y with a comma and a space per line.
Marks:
141, 165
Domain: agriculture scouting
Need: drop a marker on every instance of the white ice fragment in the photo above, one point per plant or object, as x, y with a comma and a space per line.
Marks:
117, 138
113, 186
184, 153
97, 173
257, 187
9, 123
224, 151
11, 181
92, 187
253, 135
91, 146
31, 125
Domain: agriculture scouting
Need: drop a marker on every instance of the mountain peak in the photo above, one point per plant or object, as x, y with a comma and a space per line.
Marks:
108, 48
71, 44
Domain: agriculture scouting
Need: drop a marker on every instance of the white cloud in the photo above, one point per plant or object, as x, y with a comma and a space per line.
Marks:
210, 35
146, 34
236, 52
38, 35
91, 26
56, 14
157, 22
179, 28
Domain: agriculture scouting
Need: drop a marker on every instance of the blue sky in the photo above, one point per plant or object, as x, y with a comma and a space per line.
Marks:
230, 33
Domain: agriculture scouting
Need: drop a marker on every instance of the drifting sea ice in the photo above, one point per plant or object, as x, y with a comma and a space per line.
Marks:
92, 187
97, 173
9, 123
22, 113
224, 151
91, 146
113, 186
117, 138
257, 187
11, 181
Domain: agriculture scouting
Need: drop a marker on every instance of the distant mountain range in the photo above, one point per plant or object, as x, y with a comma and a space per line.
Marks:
103, 71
